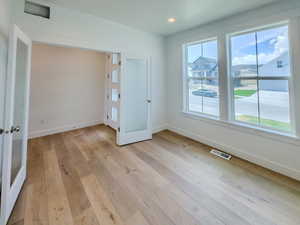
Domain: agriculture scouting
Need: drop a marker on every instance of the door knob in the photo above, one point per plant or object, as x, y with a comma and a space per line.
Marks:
15, 129
149, 101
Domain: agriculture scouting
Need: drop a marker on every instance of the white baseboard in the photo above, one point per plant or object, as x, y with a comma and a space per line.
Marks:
159, 128
229, 149
41, 133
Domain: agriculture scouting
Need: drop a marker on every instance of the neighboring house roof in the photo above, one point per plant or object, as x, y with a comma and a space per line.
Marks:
276, 67
279, 66
204, 64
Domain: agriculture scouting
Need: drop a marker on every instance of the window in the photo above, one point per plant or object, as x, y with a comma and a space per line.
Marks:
201, 78
260, 72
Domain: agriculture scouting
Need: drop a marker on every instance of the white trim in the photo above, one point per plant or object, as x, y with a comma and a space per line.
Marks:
202, 41
109, 104
185, 78
124, 137
259, 28
106, 89
11, 192
249, 157
42, 133
248, 128
294, 35
160, 128
223, 79
232, 118
226, 105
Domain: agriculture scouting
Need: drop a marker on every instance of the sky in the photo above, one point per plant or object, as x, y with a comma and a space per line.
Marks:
271, 43
209, 50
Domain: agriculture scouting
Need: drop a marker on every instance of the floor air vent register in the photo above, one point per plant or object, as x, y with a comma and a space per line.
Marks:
220, 154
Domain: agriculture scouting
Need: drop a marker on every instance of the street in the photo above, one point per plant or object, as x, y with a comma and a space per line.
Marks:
273, 105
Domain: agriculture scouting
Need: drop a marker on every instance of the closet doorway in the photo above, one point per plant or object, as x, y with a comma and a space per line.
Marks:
128, 97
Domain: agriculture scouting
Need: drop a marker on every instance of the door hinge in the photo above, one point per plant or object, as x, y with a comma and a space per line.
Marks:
2, 131
107, 117
15, 129
107, 96
108, 76
120, 63
119, 96
119, 129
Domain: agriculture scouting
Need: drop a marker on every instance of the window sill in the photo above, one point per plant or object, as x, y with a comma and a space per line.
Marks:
246, 128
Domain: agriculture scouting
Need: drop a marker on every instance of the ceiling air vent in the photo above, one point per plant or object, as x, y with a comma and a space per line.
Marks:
37, 9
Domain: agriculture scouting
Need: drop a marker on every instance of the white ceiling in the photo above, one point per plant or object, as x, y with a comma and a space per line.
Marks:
152, 15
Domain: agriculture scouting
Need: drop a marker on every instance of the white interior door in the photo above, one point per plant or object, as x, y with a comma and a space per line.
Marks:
3, 66
135, 101
16, 120
113, 90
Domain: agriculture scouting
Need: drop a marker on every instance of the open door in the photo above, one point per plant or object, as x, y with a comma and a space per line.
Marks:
16, 121
135, 100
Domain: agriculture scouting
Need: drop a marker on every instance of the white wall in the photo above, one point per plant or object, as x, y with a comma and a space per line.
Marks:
279, 154
5, 13
67, 89
72, 28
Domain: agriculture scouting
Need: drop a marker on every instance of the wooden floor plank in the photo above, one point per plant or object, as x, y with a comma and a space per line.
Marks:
243, 184
125, 204
82, 177
87, 217
212, 185
103, 207
137, 219
58, 205
230, 174
78, 200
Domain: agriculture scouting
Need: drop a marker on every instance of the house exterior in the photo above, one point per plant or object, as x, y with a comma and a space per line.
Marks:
204, 67
207, 68
278, 67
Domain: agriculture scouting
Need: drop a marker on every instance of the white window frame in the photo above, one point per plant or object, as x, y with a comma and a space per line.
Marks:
226, 104
185, 80
288, 78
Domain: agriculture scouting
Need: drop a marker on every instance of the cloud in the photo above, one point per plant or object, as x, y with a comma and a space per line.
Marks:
280, 45
251, 59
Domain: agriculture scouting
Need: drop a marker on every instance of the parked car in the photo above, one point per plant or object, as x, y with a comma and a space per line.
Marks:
205, 93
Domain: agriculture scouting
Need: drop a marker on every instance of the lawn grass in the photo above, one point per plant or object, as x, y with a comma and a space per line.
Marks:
244, 93
266, 122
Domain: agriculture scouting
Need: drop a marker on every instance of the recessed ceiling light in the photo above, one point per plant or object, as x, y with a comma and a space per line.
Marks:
172, 20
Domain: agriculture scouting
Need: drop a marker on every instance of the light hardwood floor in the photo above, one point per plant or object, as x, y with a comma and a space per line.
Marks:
83, 178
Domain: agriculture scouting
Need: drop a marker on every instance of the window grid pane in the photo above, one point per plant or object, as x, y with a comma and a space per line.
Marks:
261, 96
202, 78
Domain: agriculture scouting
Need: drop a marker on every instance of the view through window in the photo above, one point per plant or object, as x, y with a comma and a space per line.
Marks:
260, 70
202, 78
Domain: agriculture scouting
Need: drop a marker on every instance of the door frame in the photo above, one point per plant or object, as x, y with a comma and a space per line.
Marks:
3, 74
109, 85
122, 137
10, 192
